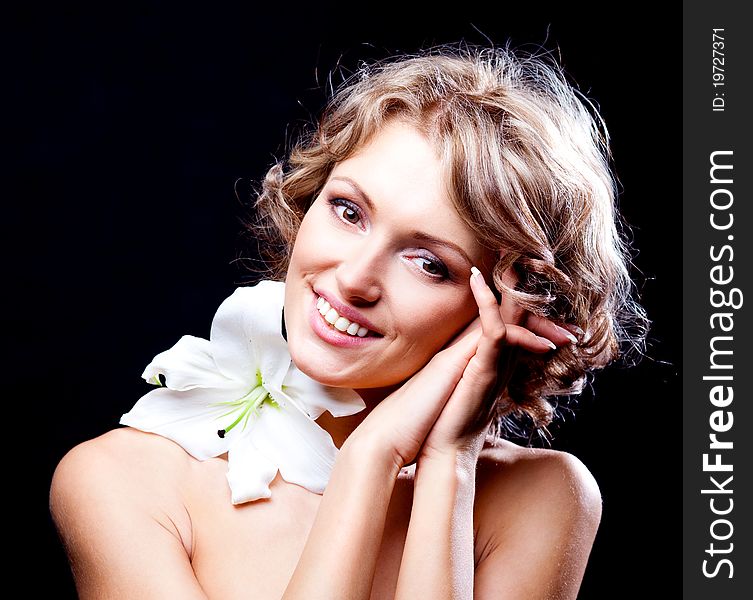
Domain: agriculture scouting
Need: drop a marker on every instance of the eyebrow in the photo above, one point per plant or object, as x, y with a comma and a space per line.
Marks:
418, 235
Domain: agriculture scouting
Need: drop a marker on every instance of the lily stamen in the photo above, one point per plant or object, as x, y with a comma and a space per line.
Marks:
243, 371
247, 405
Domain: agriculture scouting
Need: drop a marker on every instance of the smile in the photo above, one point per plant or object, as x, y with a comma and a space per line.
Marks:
331, 316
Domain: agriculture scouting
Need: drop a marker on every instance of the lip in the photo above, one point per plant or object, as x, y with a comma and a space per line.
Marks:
331, 335
346, 311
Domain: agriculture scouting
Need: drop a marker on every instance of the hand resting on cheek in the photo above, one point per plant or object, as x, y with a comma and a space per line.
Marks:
437, 409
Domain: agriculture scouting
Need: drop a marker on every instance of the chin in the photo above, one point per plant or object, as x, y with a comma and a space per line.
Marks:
316, 369
329, 376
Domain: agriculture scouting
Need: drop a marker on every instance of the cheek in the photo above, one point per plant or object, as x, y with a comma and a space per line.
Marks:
305, 245
316, 243
433, 322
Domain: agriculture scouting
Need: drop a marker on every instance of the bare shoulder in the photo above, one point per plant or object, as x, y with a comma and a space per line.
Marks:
536, 514
130, 440
120, 456
117, 503
521, 489
124, 469
510, 468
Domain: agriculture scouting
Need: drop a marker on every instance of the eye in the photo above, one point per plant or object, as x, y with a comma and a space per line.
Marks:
350, 213
432, 267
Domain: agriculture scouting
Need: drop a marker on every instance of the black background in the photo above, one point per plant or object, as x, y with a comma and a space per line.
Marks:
131, 130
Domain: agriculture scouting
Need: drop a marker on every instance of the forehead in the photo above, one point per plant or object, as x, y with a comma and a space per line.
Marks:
402, 174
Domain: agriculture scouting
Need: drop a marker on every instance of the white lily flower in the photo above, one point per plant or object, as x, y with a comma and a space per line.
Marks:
239, 392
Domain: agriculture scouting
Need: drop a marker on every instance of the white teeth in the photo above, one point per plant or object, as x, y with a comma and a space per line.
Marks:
331, 316
340, 323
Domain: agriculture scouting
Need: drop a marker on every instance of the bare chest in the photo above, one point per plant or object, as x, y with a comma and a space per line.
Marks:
251, 550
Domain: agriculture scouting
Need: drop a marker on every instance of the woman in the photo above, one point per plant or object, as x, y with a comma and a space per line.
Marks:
422, 171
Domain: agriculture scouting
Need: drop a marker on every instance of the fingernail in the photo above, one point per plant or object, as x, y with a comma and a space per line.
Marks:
567, 334
549, 343
575, 329
476, 273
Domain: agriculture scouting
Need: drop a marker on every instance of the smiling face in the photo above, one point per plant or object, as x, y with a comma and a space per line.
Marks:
383, 245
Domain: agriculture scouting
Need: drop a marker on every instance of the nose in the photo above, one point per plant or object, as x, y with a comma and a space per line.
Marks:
359, 274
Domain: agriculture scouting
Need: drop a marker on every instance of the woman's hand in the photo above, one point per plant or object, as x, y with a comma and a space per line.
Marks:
439, 408
467, 414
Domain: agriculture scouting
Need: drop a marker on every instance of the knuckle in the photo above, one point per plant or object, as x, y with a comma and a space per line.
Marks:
442, 359
441, 356
480, 375
498, 335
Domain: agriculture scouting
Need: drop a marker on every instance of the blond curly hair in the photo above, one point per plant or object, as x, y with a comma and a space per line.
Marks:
528, 161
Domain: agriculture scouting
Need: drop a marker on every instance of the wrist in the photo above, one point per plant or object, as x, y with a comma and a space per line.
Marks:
460, 461
466, 451
368, 450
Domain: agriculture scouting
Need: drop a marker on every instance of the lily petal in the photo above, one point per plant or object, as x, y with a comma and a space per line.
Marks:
303, 451
249, 473
241, 384
313, 398
189, 364
246, 334
188, 418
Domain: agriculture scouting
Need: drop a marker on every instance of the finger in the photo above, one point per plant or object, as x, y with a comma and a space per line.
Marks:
548, 329
528, 340
495, 331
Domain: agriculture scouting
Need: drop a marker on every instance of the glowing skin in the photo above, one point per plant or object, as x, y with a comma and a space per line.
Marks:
371, 260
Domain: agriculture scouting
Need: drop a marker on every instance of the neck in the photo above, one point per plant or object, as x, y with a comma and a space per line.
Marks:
340, 428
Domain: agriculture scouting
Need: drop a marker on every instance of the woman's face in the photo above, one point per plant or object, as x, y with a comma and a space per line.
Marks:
383, 245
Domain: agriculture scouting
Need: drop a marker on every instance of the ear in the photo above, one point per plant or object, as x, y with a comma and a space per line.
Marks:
511, 312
